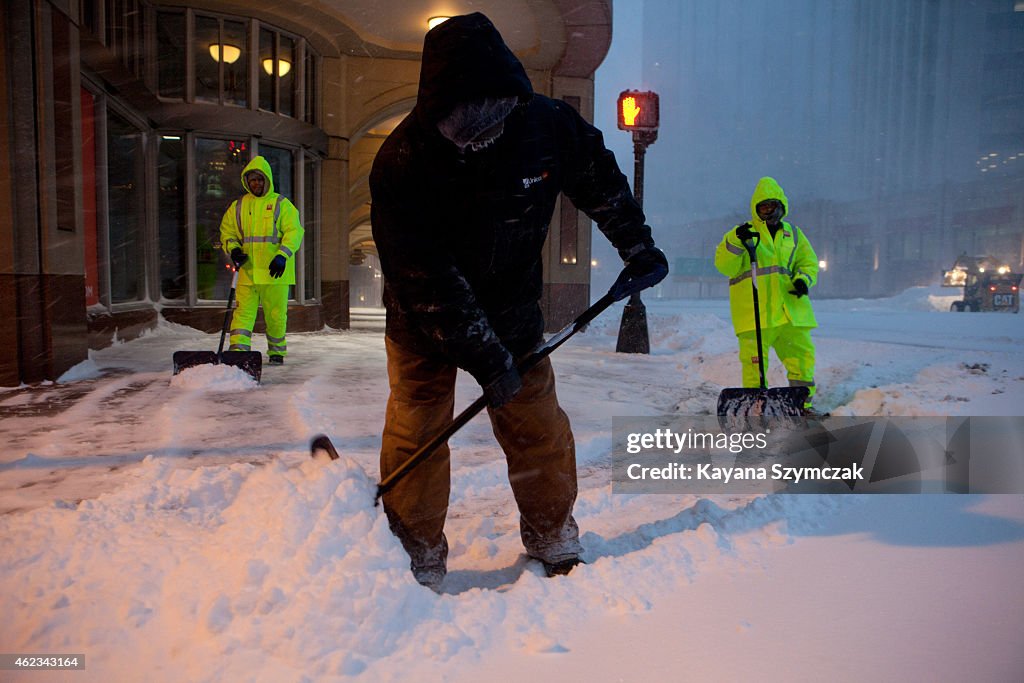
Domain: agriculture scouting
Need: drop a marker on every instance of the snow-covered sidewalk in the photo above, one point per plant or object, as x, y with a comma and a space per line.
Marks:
177, 530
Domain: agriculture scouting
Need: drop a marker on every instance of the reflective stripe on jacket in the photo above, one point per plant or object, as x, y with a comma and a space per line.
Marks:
779, 262
263, 227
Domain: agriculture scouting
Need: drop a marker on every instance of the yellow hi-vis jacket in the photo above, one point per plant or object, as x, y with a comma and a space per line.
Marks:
780, 261
263, 227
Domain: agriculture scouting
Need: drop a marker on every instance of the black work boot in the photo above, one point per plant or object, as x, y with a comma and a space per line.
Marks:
432, 577
562, 567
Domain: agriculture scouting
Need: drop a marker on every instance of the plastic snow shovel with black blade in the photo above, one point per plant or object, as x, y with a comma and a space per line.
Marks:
624, 287
780, 402
250, 362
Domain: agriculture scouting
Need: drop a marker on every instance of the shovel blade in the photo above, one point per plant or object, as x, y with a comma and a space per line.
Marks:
322, 444
183, 360
250, 362
782, 402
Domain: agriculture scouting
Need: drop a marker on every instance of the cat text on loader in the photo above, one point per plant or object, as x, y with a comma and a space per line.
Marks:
987, 282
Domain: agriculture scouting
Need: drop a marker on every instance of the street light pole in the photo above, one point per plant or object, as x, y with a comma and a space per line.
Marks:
633, 334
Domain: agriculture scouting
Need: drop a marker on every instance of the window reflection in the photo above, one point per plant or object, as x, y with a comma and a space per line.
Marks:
170, 57
282, 166
171, 216
219, 165
236, 81
125, 209
286, 75
267, 80
207, 33
221, 64
311, 225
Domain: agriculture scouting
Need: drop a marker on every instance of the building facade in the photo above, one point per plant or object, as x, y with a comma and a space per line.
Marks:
126, 123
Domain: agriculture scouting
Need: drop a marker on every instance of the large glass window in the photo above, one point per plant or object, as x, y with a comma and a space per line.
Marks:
219, 165
286, 75
123, 32
171, 216
125, 209
170, 55
266, 70
311, 224
236, 71
220, 61
207, 37
282, 165
277, 72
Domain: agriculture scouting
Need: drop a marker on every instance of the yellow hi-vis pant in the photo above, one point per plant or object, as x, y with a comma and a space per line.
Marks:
794, 348
275, 312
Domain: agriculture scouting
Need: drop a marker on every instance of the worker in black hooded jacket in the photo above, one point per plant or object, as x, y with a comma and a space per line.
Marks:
462, 194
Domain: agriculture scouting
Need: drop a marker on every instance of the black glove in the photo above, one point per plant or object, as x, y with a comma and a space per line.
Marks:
277, 266
504, 388
799, 288
744, 232
238, 257
644, 268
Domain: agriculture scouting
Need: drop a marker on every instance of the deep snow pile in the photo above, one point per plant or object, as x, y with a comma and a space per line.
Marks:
285, 571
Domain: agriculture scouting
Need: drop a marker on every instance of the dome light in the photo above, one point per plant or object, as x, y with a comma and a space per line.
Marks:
230, 53
283, 66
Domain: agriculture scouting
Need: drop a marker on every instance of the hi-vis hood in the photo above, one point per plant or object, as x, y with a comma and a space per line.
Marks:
466, 59
767, 188
259, 164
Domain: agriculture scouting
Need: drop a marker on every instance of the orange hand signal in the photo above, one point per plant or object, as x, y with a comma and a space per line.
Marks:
630, 111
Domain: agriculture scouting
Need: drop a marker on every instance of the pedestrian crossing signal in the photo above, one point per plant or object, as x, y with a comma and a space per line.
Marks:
638, 110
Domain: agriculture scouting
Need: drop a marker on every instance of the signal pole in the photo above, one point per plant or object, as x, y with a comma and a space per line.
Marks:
638, 113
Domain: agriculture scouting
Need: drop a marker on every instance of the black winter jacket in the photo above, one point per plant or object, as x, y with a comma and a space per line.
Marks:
461, 236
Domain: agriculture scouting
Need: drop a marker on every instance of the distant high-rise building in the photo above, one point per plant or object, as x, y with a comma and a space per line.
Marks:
896, 127
840, 99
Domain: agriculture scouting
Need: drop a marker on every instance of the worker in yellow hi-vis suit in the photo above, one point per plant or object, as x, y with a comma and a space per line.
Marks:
787, 268
261, 232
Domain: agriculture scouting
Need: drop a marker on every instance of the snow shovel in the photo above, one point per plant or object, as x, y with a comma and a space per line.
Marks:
250, 362
625, 285
781, 402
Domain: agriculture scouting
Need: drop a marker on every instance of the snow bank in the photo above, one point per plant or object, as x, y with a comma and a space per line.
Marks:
87, 369
283, 572
209, 377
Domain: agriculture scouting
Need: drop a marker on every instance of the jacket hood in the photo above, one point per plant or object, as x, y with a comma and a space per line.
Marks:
465, 58
259, 164
767, 188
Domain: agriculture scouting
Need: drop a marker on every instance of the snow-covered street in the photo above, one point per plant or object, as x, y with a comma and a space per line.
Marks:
175, 529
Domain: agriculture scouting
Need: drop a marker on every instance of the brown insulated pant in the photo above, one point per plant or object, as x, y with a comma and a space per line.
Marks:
532, 430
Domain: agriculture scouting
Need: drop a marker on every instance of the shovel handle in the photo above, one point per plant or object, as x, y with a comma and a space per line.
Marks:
751, 246
227, 313
538, 354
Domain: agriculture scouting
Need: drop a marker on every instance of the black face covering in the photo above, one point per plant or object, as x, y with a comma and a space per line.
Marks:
476, 124
775, 216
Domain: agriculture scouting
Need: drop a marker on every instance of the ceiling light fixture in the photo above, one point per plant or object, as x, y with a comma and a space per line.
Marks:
434, 21
283, 66
230, 53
